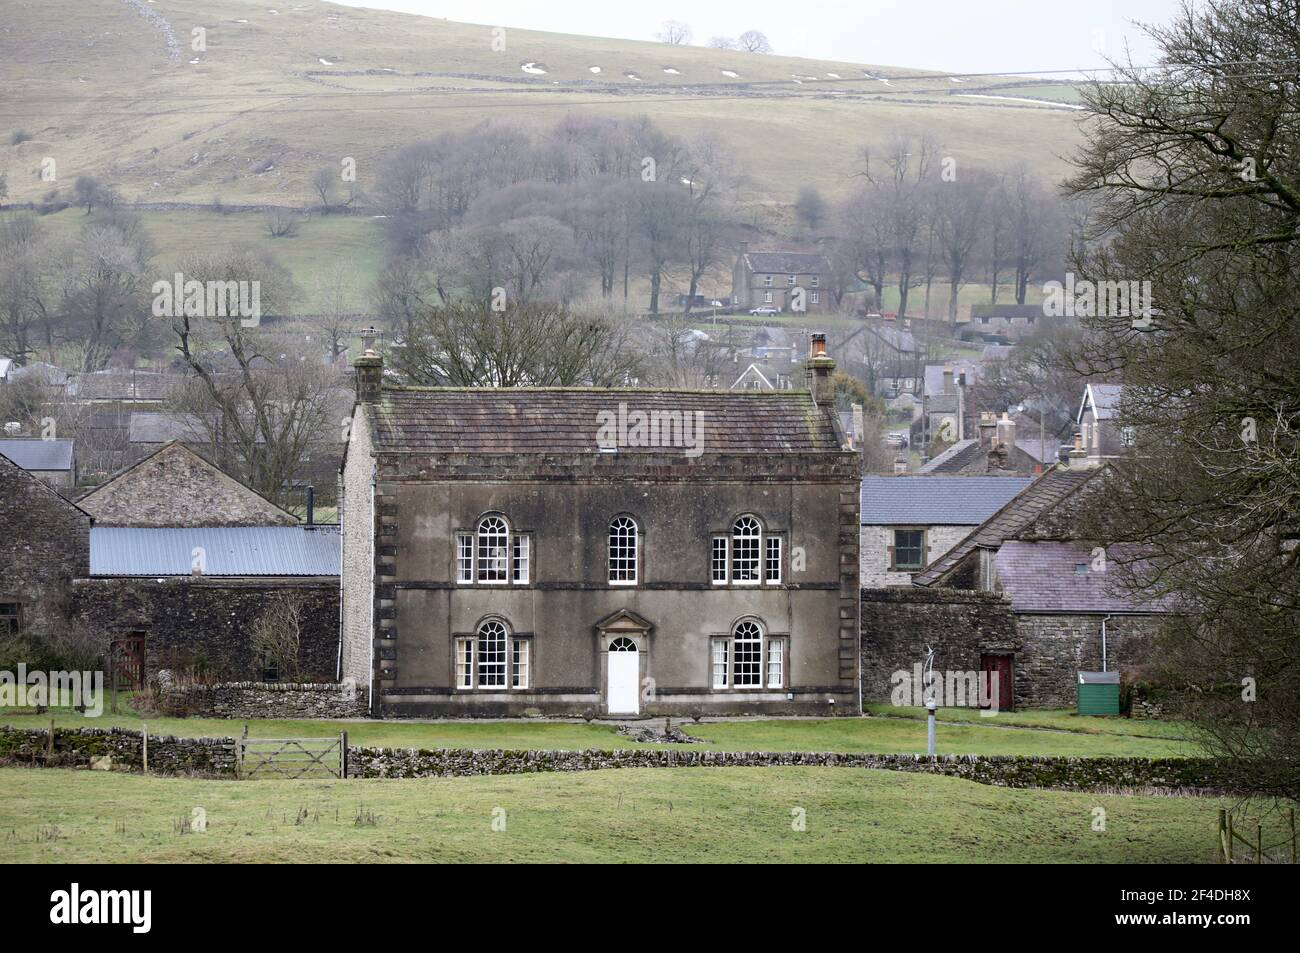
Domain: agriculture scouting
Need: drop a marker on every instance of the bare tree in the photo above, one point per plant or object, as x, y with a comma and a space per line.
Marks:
902, 175
537, 344
275, 636
674, 33
281, 223
723, 43
754, 41
322, 181
810, 208
959, 217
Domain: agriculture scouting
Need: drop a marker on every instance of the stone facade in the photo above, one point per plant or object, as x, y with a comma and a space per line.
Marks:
899, 623
44, 545
206, 619
403, 591
177, 487
875, 543
1047, 651
1058, 647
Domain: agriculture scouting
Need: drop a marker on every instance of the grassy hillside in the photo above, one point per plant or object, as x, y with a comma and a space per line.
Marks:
277, 95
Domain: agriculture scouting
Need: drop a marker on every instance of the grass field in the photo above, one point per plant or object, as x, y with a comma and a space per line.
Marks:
683, 815
876, 735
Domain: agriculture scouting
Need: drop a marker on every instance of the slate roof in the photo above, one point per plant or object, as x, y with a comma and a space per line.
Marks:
1042, 494
567, 420
954, 456
900, 340
1006, 311
160, 428
787, 263
1057, 577
228, 551
122, 385
996, 352
935, 500
32, 453
934, 376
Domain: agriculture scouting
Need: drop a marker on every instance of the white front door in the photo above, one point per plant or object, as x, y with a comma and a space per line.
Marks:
624, 674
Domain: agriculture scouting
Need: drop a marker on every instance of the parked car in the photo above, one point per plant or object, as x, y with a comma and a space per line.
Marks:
764, 311
896, 438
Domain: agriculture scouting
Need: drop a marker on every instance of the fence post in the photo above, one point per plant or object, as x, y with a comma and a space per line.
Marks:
1223, 833
1293, 835
145, 735
1230, 836
1259, 842
343, 755
49, 742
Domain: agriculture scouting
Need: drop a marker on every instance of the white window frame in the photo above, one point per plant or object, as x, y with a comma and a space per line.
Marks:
773, 561
816, 297
790, 280
629, 544
464, 662
720, 663
767, 281
752, 653
520, 663
492, 562
504, 664
521, 548
767, 297
757, 538
720, 549
774, 655
465, 559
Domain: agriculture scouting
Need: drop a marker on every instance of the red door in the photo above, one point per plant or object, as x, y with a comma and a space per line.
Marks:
1000, 665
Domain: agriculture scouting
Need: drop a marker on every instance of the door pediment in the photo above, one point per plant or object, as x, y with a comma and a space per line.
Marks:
622, 622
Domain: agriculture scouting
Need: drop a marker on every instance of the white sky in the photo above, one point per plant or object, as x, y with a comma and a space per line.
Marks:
994, 36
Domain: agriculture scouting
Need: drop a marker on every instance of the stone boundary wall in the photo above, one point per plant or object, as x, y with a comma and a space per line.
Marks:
273, 700
76, 747
1078, 774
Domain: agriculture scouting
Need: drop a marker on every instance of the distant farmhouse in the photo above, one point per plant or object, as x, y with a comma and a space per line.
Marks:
1004, 323
523, 550
910, 521
769, 279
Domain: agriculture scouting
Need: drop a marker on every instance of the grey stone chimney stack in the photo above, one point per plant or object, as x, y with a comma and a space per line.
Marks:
370, 369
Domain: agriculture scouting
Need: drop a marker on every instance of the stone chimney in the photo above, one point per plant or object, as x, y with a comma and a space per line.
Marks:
1077, 458
1007, 432
947, 380
988, 429
820, 368
370, 369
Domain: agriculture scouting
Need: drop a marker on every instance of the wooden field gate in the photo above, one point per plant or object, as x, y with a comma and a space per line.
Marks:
1228, 834
293, 757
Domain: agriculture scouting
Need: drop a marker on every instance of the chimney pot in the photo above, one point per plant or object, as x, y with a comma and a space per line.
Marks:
820, 367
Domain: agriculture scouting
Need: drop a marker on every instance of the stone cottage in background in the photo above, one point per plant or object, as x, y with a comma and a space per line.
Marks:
774, 279
586, 550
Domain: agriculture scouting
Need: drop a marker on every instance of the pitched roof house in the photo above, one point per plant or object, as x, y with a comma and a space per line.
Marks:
571, 550
1070, 609
1098, 420
777, 279
908, 522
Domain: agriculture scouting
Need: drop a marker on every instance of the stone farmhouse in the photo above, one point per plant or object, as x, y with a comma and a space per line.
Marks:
583, 550
770, 279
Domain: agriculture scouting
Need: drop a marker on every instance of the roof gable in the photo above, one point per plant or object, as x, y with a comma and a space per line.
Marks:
1048, 491
174, 486
786, 263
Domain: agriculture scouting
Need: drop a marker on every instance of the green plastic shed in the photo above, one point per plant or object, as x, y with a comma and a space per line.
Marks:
1098, 693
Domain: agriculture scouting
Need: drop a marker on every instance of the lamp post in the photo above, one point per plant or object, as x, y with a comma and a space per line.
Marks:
927, 681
